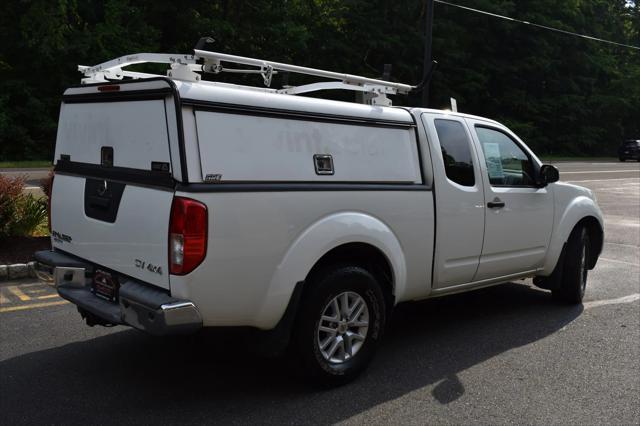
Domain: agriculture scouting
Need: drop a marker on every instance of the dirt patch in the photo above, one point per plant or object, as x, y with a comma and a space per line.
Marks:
21, 249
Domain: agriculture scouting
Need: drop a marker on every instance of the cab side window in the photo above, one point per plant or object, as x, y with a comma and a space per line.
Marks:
456, 152
507, 163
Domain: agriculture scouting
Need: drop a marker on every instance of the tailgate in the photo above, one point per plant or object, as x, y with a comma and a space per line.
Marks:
112, 194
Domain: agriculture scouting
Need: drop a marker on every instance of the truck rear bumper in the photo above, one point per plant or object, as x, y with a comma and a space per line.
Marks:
139, 305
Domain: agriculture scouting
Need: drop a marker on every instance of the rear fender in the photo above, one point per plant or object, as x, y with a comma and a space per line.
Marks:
320, 238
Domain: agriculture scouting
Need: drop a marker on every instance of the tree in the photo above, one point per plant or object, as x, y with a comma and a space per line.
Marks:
562, 94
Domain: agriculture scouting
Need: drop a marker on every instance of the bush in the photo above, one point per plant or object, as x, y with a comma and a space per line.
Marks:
20, 214
10, 191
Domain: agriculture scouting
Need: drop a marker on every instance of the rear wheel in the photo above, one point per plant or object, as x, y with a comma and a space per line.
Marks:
573, 284
340, 324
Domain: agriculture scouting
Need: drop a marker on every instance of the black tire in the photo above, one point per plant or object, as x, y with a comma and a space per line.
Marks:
324, 287
573, 283
622, 159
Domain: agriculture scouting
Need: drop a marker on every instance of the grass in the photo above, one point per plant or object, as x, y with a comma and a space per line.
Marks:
25, 164
567, 158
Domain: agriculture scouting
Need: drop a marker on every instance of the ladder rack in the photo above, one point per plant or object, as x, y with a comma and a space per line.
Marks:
187, 68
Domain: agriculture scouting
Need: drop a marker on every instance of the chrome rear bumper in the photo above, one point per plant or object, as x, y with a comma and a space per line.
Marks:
60, 275
139, 305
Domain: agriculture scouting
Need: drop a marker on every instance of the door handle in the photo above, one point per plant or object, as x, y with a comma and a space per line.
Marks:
99, 202
497, 203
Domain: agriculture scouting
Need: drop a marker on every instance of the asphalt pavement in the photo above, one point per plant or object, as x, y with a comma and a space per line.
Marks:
503, 355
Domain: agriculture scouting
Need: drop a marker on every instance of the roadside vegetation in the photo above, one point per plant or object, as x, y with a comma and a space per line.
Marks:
22, 214
25, 164
564, 95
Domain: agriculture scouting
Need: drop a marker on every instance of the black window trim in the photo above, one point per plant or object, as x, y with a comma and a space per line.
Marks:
536, 167
471, 151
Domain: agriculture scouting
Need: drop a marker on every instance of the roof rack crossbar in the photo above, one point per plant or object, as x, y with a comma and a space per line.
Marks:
213, 58
186, 67
139, 58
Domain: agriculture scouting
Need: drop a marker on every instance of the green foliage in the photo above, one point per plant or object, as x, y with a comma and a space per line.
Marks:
562, 94
20, 214
25, 164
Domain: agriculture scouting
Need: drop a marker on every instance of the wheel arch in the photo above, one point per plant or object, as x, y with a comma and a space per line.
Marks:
581, 211
345, 236
596, 238
366, 256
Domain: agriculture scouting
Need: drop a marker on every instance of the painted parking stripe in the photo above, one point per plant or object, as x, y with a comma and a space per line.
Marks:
3, 300
600, 171
623, 245
600, 180
27, 296
618, 261
18, 293
32, 306
35, 285
620, 300
48, 296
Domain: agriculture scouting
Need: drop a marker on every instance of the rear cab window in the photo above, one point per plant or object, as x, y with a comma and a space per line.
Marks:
456, 151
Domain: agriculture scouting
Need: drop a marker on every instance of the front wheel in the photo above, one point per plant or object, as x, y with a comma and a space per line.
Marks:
576, 267
341, 320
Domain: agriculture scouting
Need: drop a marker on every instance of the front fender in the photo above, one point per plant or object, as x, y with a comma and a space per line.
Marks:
317, 240
568, 213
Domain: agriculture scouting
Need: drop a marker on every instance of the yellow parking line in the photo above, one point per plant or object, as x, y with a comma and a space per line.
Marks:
48, 296
3, 300
18, 293
32, 306
33, 285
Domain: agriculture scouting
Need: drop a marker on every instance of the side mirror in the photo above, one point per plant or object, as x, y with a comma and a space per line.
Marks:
548, 174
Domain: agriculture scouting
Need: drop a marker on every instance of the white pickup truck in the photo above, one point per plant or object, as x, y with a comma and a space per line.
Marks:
179, 204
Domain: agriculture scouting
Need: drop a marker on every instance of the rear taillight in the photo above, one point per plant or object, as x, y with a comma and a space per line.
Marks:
187, 235
49, 202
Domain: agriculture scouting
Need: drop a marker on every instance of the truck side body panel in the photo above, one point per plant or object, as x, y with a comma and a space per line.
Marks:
267, 230
251, 234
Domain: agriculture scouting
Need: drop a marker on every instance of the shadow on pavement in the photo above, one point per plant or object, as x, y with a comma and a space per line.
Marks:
128, 377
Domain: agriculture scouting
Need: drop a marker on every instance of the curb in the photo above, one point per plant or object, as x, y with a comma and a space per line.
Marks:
17, 271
